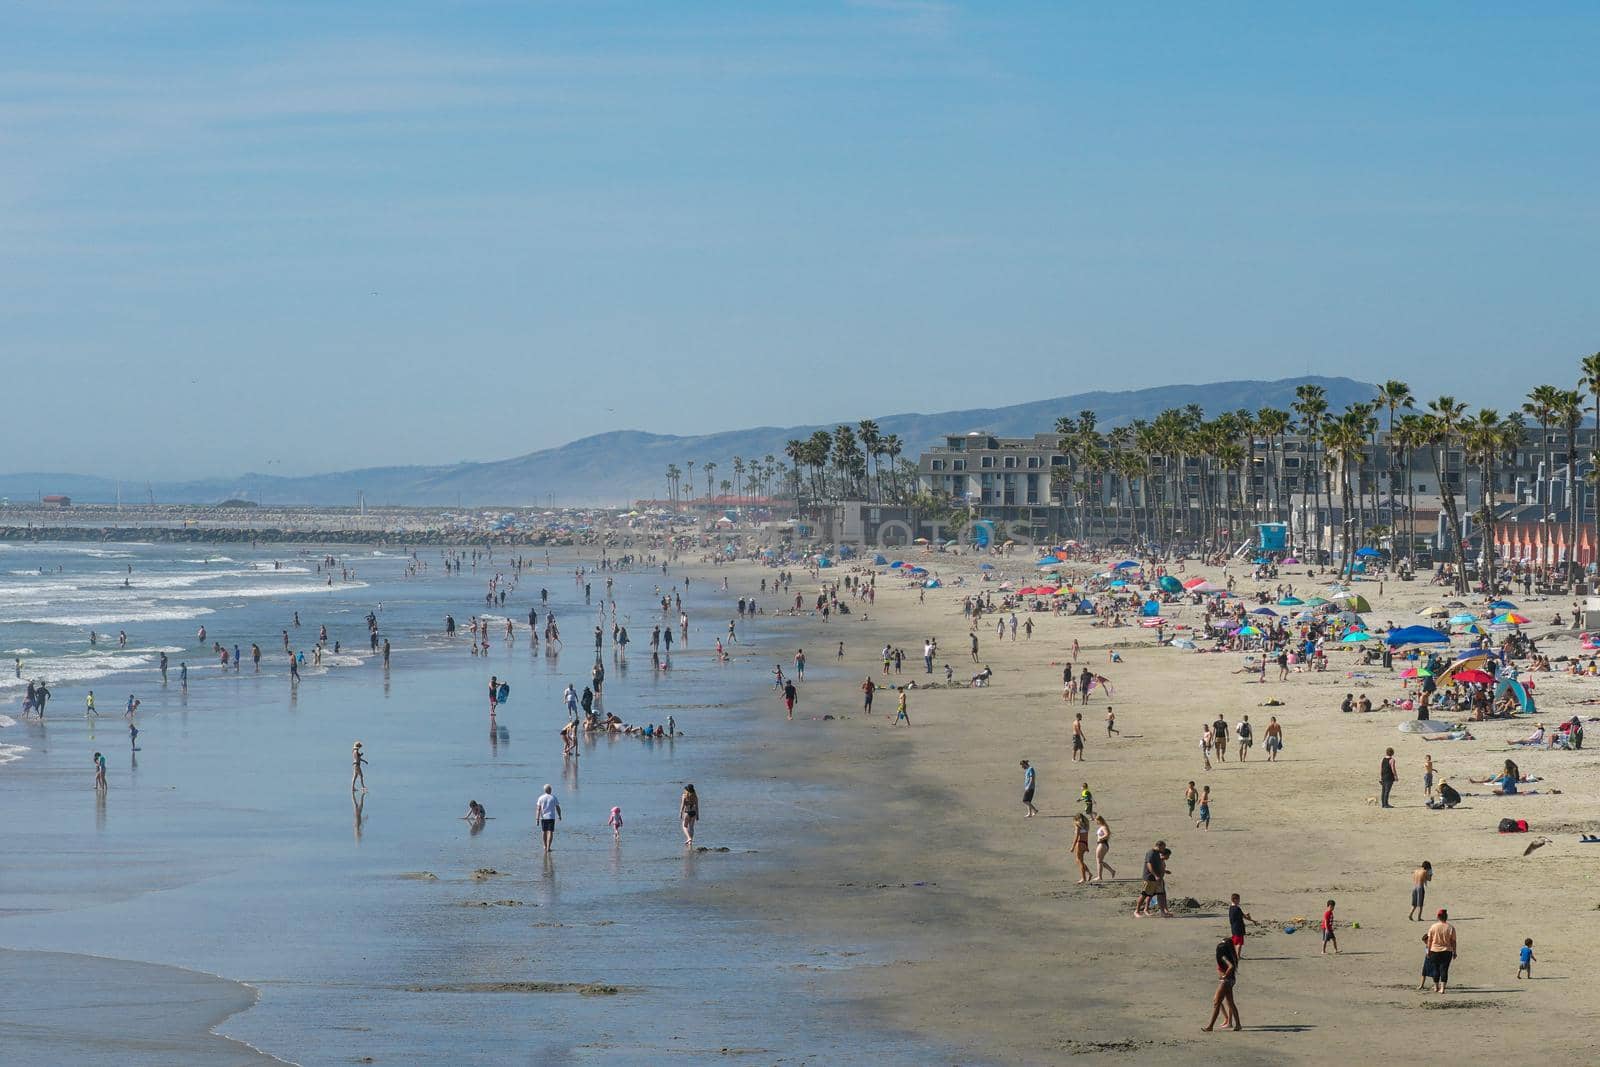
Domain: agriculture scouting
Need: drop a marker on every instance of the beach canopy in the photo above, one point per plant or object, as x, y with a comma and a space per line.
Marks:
1510, 685
1170, 584
932, 583
1290, 559
1416, 635
1290, 601
1368, 552
1119, 584
879, 561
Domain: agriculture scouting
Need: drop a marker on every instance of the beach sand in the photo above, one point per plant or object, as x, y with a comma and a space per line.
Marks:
920, 841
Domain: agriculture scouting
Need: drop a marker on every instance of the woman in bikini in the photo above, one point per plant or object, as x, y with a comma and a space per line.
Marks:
1102, 837
1080, 846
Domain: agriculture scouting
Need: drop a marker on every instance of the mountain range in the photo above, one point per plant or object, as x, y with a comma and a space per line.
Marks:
621, 466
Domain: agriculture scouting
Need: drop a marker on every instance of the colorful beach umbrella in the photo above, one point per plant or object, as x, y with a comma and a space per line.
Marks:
1511, 618
1249, 631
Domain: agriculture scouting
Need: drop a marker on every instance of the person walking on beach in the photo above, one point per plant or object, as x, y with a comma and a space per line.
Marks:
1080, 846
1219, 738
88, 706
1102, 847
183, 676
1419, 890
800, 665
133, 736
1328, 936
615, 822
1191, 796
900, 715
1388, 774
689, 813
1205, 745
1155, 882
1526, 959
1236, 920
1027, 790
1204, 820
1077, 738
1274, 740
99, 772
1222, 1002
974, 638
1441, 944
1111, 723
868, 687
547, 810
358, 760
1246, 735
789, 694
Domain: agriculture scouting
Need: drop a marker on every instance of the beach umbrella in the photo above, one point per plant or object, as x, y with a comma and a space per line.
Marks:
1170, 584
1511, 618
932, 583
1192, 582
919, 540
1026, 590
1355, 638
1045, 590
1409, 672
1119, 584
1249, 631
951, 544
1501, 605
1264, 611
1462, 619
917, 570
1124, 565
1473, 676
1290, 559
879, 561
1438, 612
1204, 586
986, 566
1290, 601
1416, 635
1315, 602
897, 563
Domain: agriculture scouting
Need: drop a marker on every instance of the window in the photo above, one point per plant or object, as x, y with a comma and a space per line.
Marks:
937, 465
1033, 462
959, 465
1291, 463
987, 461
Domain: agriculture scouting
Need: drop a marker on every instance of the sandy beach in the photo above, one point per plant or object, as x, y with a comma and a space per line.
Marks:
923, 841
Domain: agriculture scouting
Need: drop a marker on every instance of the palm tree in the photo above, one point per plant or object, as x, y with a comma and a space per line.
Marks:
771, 462
1445, 415
1344, 443
708, 470
795, 449
1273, 424
738, 476
1481, 437
891, 448
872, 444
691, 479
1590, 380
673, 474
1409, 435
1540, 407
1566, 408
1392, 394
1311, 404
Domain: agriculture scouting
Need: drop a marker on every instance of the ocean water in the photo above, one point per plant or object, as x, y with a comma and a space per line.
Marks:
230, 842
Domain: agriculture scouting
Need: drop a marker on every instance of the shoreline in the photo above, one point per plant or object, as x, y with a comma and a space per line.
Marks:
70, 1007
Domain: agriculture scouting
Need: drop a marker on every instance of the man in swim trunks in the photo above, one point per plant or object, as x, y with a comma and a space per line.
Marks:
1419, 889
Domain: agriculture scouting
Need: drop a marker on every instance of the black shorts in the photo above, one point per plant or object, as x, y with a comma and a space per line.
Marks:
1439, 964
1077, 743
547, 825
1417, 895
1027, 796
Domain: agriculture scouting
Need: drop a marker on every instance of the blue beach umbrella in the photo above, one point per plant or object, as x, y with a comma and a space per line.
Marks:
1416, 635
1368, 552
986, 566
1264, 611
1124, 565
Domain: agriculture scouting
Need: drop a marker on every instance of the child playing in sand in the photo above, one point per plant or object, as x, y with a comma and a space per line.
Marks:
1088, 799
1526, 959
1204, 821
1328, 937
1190, 796
615, 822
1111, 722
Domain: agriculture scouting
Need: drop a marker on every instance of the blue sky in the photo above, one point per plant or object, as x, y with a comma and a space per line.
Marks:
295, 237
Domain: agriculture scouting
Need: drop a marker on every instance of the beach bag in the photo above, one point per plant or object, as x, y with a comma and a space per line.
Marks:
1513, 826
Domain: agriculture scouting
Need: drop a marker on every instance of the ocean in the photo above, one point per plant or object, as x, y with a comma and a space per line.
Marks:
382, 926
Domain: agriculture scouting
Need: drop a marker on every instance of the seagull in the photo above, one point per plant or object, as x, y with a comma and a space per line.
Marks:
1540, 843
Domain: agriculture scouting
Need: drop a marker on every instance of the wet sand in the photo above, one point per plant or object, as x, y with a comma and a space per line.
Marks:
61, 1007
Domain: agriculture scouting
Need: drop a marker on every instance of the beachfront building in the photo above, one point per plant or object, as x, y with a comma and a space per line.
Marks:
1033, 487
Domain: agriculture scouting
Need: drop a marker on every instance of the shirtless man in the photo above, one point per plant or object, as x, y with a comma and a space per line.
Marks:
1419, 889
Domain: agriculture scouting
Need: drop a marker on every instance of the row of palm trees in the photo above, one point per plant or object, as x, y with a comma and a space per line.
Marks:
1181, 477
857, 462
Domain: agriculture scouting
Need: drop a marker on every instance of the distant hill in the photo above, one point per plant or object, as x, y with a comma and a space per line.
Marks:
624, 465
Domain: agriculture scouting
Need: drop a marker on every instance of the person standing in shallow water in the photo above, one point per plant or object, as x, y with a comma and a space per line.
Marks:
358, 760
547, 810
689, 812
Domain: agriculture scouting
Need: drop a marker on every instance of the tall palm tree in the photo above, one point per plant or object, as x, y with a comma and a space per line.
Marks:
673, 474
1481, 438
738, 476
691, 465
1540, 407
891, 448
1344, 443
1590, 381
872, 444
1392, 395
1445, 414
1566, 409
1409, 435
1311, 404
1273, 424
708, 470
795, 449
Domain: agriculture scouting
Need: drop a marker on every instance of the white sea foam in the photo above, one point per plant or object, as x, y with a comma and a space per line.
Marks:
20, 652
12, 753
6, 720
340, 659
134, 613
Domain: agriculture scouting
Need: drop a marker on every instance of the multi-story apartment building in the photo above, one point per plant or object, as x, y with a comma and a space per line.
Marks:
1031, 485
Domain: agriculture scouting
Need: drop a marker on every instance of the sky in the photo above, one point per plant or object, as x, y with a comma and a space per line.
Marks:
295, 237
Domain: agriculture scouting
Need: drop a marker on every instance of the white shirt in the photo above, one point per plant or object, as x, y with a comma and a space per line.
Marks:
546, 806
